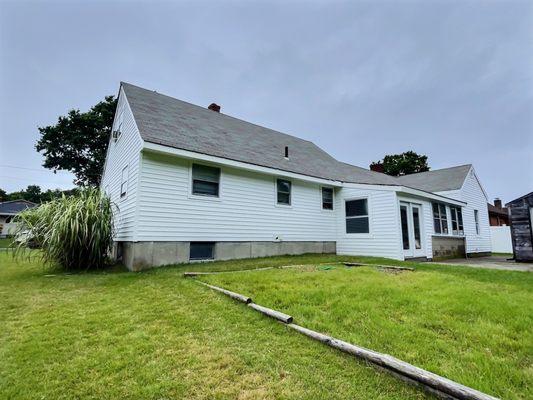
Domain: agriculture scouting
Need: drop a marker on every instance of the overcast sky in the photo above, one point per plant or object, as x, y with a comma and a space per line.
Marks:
452, 80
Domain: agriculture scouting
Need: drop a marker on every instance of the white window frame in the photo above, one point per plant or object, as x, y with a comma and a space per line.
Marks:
124, 180
476, 222
369, 212
120, 122
448, 219
190, 194
332, 198
450, 227
276, 192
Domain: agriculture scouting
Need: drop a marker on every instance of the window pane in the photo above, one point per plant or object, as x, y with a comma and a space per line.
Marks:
205, 188
284, 198
284, 191
405, 227
284, 186
327, 198
205, 173
201, 250
416, 223
436, 225
357, 225
356, 208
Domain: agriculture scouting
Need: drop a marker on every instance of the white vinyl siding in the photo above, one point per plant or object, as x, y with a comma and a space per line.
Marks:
121, 154
246, 210
473, 195
383, 240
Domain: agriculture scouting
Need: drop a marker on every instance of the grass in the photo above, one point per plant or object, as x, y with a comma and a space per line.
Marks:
5, 242
469, 325
156, 335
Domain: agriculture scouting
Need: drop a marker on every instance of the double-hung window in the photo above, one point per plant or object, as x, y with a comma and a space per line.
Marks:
283, 189
205, 180
440, 221
327, 198
124, 182
476, 220
357, 220
457, 220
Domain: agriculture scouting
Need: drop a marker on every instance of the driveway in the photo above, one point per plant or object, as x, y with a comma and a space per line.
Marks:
491, 262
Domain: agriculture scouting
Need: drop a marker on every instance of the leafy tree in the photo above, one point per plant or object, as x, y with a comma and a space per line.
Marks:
404, 163
78, 142
34, 194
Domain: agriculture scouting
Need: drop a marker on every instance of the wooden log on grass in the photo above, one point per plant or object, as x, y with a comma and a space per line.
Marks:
287, 319
233, 295
429, 379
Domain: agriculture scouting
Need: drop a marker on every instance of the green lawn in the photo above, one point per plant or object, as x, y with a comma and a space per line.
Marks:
157, 335
470, 325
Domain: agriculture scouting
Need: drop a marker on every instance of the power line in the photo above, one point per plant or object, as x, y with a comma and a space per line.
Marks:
30, 169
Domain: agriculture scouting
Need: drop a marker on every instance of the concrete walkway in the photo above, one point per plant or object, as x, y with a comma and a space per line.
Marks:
491, 262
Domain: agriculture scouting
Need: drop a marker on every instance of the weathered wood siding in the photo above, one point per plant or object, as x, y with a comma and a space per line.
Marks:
521, 229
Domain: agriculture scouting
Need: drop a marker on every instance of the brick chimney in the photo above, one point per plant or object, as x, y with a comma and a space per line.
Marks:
214, 107
497, 203
377, 167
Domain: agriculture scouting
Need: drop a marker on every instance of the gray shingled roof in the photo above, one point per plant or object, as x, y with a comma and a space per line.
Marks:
15, 206
174, 123
439, 180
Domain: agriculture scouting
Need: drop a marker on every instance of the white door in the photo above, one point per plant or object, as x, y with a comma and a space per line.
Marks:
411, 224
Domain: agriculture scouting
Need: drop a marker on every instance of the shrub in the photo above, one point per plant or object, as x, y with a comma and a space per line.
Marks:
75, 232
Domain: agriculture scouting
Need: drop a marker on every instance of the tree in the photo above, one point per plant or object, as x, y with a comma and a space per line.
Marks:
403, 164
78, 142
3, 195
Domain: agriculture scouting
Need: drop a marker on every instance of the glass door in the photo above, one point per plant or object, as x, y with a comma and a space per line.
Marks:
411, 223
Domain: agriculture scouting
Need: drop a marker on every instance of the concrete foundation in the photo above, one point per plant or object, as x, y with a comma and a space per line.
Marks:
448, 247
138, 256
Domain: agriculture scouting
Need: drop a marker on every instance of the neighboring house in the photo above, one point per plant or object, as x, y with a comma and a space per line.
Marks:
8, 210
521, 212
192, 183
498, 215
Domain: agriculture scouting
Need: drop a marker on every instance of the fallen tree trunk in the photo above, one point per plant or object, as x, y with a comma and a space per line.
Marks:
427, 378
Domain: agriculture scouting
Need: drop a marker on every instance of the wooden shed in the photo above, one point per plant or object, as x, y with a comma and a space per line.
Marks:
521, 218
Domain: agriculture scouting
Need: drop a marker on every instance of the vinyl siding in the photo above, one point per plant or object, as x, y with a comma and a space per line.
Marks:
384, 237
472, 194
122, 153
245, 211
427, 222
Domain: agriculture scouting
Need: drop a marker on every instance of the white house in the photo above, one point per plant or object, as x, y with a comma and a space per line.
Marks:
191, 183
8, 211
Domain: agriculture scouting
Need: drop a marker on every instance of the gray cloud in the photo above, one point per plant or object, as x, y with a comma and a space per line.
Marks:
452, 80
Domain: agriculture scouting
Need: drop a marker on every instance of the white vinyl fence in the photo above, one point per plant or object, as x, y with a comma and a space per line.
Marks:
501, 239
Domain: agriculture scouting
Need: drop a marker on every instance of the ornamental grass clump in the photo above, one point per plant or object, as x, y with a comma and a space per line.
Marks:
74, 232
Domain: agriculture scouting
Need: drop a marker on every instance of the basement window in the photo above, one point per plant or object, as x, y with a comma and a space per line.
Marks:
205, 180
202, 251
357, 216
